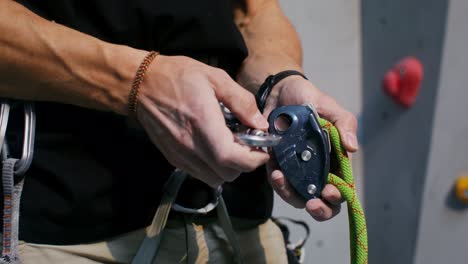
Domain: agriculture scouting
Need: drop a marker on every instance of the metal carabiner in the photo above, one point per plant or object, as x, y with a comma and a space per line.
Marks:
4, 114
28, 139
248, 136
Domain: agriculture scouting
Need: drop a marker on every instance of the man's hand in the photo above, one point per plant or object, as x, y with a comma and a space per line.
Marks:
274, 46
179, 109
297, 90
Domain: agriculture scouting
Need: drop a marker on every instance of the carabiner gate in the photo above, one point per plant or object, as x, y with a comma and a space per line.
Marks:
28, 138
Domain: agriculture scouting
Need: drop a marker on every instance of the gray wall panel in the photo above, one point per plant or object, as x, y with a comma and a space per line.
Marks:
443, 230
397, 142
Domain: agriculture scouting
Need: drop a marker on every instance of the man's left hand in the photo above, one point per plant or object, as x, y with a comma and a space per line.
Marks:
295, 90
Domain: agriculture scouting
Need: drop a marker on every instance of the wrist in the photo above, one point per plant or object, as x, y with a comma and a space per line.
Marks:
258, 66
124, 63
276, 90
274, 84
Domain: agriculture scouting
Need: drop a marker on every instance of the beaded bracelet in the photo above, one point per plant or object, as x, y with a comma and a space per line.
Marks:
133, 96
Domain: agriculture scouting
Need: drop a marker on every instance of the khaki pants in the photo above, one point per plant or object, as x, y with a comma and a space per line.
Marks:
182, 242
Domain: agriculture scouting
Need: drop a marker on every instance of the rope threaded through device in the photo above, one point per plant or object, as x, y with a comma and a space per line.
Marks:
345, 184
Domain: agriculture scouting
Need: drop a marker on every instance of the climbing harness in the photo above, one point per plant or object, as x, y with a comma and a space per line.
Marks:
295, 251
204, 210
150, 245
13, 178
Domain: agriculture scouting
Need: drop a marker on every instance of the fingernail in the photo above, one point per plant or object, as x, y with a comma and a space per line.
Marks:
352, 140
277, 183
279, 186
260, 120
318, 212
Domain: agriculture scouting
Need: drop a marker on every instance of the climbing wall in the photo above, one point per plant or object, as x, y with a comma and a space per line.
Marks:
396, 143
409, 158
443, 223
330, 33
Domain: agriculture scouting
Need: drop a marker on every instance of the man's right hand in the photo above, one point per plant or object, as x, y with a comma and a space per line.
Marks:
178, 99
179, 109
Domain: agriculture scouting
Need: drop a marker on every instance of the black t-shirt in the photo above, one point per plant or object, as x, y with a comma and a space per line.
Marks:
95, 176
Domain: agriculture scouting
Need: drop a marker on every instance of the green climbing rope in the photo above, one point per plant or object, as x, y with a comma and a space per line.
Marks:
345, 184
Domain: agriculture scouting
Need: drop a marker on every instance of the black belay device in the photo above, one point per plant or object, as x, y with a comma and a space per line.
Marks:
303, 153
299, 145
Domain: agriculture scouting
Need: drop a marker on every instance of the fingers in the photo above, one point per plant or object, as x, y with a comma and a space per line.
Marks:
327, 207
216, 145
345, 122
238, 100
183, 119
235, 158
203, 172
283, 188
332, 195
179, 157
347, 127
245, 158
321, 211
198, 169
232, 156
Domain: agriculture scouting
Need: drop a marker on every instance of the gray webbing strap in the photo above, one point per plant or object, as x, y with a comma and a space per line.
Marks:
226, 224
11, 204
149, 246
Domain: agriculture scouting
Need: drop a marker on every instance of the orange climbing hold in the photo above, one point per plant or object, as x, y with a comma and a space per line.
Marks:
461, 189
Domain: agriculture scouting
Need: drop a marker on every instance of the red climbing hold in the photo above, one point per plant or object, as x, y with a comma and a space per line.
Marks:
402, 82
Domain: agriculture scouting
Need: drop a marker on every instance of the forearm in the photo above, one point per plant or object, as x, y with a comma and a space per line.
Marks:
271, 39
44, 61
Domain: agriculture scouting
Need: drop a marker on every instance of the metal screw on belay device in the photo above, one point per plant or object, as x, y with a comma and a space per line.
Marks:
311, 189
306, 155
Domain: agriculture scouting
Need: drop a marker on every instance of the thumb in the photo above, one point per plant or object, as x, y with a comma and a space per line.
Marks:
345, 121
240, 101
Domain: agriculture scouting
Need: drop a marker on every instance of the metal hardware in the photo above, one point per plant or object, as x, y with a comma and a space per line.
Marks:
260, 139
311, 189
208, 208
231, 120
300, 146
248, 136
28, 142
28, 138
306, 155
303, 154
4, 114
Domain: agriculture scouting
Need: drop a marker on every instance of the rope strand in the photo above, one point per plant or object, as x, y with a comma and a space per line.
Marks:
345, 184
